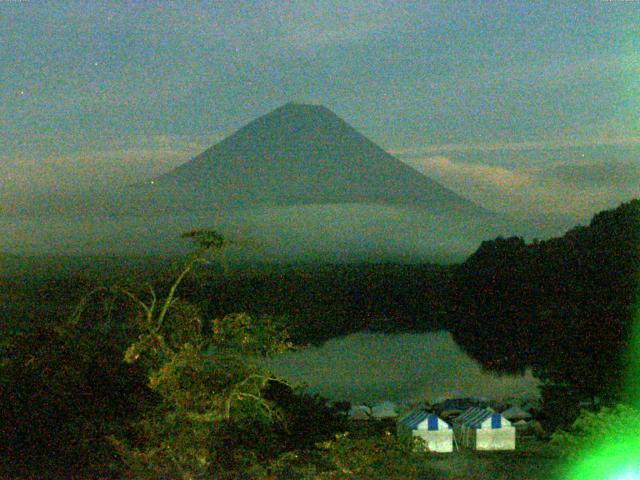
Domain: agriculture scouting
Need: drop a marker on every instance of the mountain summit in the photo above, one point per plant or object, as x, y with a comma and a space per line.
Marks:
297, 154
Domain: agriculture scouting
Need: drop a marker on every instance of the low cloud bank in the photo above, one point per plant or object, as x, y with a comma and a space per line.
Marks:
341, 232
577, 188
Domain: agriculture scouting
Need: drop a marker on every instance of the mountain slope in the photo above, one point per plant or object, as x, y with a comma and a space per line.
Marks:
297, 154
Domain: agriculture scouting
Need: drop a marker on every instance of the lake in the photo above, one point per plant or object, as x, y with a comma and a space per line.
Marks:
399, 367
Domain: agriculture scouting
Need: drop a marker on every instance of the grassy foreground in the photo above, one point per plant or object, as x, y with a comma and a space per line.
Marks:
531, 461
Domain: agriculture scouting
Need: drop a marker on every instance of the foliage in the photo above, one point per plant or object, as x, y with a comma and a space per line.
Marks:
63, 388
306, 419
590, 429
347, 456
379, 457
207, 239
563, 307
210, 386
190, 399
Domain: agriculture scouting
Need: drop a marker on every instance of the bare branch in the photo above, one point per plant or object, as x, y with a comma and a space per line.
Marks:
260, 401
169, 300
137, 300
75, 317
153, 297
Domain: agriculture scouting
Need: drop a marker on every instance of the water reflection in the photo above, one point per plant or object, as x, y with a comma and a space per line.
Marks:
400, 367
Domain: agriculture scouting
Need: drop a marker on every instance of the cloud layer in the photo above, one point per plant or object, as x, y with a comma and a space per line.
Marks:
577, 188
105, 163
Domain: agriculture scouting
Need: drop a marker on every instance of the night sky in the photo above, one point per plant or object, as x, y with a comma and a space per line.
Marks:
521, 106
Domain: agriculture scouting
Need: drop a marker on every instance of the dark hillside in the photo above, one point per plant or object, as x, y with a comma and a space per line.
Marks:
562, 306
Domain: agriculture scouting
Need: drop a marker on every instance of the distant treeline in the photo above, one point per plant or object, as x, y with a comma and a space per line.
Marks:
316, 302
322, 302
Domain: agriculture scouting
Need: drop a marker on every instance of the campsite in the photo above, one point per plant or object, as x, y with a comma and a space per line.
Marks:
449, 458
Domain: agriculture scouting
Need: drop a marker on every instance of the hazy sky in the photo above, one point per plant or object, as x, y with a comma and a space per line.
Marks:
110, 92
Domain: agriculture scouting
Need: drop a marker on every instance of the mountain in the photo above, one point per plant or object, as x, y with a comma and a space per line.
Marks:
299, 181
296, 154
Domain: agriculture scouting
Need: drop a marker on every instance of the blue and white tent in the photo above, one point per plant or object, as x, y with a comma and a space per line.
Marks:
484, 429
435, 432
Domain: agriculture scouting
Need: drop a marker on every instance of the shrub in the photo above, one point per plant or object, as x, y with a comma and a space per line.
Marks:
592, 428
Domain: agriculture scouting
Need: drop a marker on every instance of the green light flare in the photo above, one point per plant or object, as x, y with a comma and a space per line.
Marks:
615, 459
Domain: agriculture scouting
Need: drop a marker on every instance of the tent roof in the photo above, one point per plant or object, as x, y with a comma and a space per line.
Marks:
385, 403
417, 418
385, 409
360, 411
516, 413
457, 404
474, 417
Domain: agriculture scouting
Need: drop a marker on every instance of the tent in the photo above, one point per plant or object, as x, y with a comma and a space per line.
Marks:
384, 409
516, 413
359, 412
532, 428
484, 429
436, 433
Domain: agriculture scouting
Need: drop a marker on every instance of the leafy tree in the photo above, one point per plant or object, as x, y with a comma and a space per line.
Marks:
563, 307
591, 429
190, 401
210, 384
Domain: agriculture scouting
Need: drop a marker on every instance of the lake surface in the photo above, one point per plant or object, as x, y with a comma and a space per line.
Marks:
399, 367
